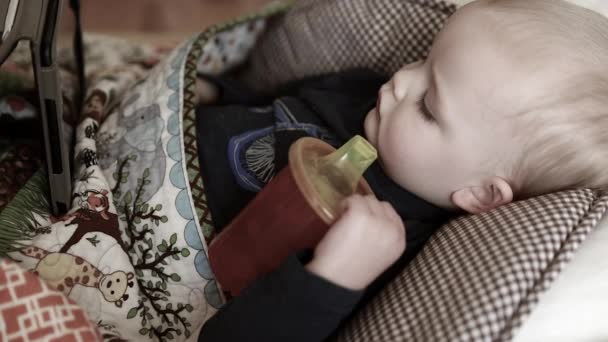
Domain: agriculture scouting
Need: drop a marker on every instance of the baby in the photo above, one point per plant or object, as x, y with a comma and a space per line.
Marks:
510, 103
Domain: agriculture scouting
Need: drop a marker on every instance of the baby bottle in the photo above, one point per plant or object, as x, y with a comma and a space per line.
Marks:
292, 212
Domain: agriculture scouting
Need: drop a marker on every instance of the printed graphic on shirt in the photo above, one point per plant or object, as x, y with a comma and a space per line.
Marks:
251, 154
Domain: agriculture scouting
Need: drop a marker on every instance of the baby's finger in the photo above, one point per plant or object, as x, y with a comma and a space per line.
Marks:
390, 212
376, 207
357, 203
349, 202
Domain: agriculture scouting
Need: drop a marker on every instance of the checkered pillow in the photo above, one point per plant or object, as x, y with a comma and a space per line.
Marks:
317, 37
479, 277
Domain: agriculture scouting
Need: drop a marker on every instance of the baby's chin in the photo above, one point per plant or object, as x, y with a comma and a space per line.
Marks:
370, 127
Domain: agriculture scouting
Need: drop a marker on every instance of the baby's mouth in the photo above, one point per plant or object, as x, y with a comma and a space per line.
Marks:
370, 129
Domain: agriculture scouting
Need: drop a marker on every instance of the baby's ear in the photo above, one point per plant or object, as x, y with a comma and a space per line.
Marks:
493, 192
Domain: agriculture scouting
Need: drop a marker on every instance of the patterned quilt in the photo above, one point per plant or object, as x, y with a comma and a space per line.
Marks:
131, 252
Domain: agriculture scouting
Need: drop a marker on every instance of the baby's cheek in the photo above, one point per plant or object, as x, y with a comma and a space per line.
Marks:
413, 146
398, 137
397, 151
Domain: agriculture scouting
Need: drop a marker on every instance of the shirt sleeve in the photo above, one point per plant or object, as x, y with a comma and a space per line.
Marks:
289, 304
233, 92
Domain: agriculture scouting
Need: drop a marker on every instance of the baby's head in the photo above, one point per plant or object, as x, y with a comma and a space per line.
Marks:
512, 102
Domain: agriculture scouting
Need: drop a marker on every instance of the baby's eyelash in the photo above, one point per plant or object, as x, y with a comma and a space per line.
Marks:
424, 111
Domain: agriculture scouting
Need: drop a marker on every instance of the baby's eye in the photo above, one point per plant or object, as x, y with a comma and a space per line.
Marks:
424, 111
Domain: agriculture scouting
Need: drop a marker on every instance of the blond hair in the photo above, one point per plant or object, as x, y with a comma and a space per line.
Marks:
565, 138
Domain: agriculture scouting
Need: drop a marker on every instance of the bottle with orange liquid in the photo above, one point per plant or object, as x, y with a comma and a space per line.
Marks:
292, 212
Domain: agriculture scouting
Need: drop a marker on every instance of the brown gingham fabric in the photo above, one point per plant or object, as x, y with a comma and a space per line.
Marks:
320, 36
479, 277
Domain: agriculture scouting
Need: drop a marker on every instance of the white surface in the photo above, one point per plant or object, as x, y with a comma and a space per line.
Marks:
575, 308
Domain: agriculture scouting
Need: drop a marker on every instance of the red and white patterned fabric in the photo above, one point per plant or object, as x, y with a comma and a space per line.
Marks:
31, 311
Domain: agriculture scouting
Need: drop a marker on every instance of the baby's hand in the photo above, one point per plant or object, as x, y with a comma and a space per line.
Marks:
365, 241
206, 92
